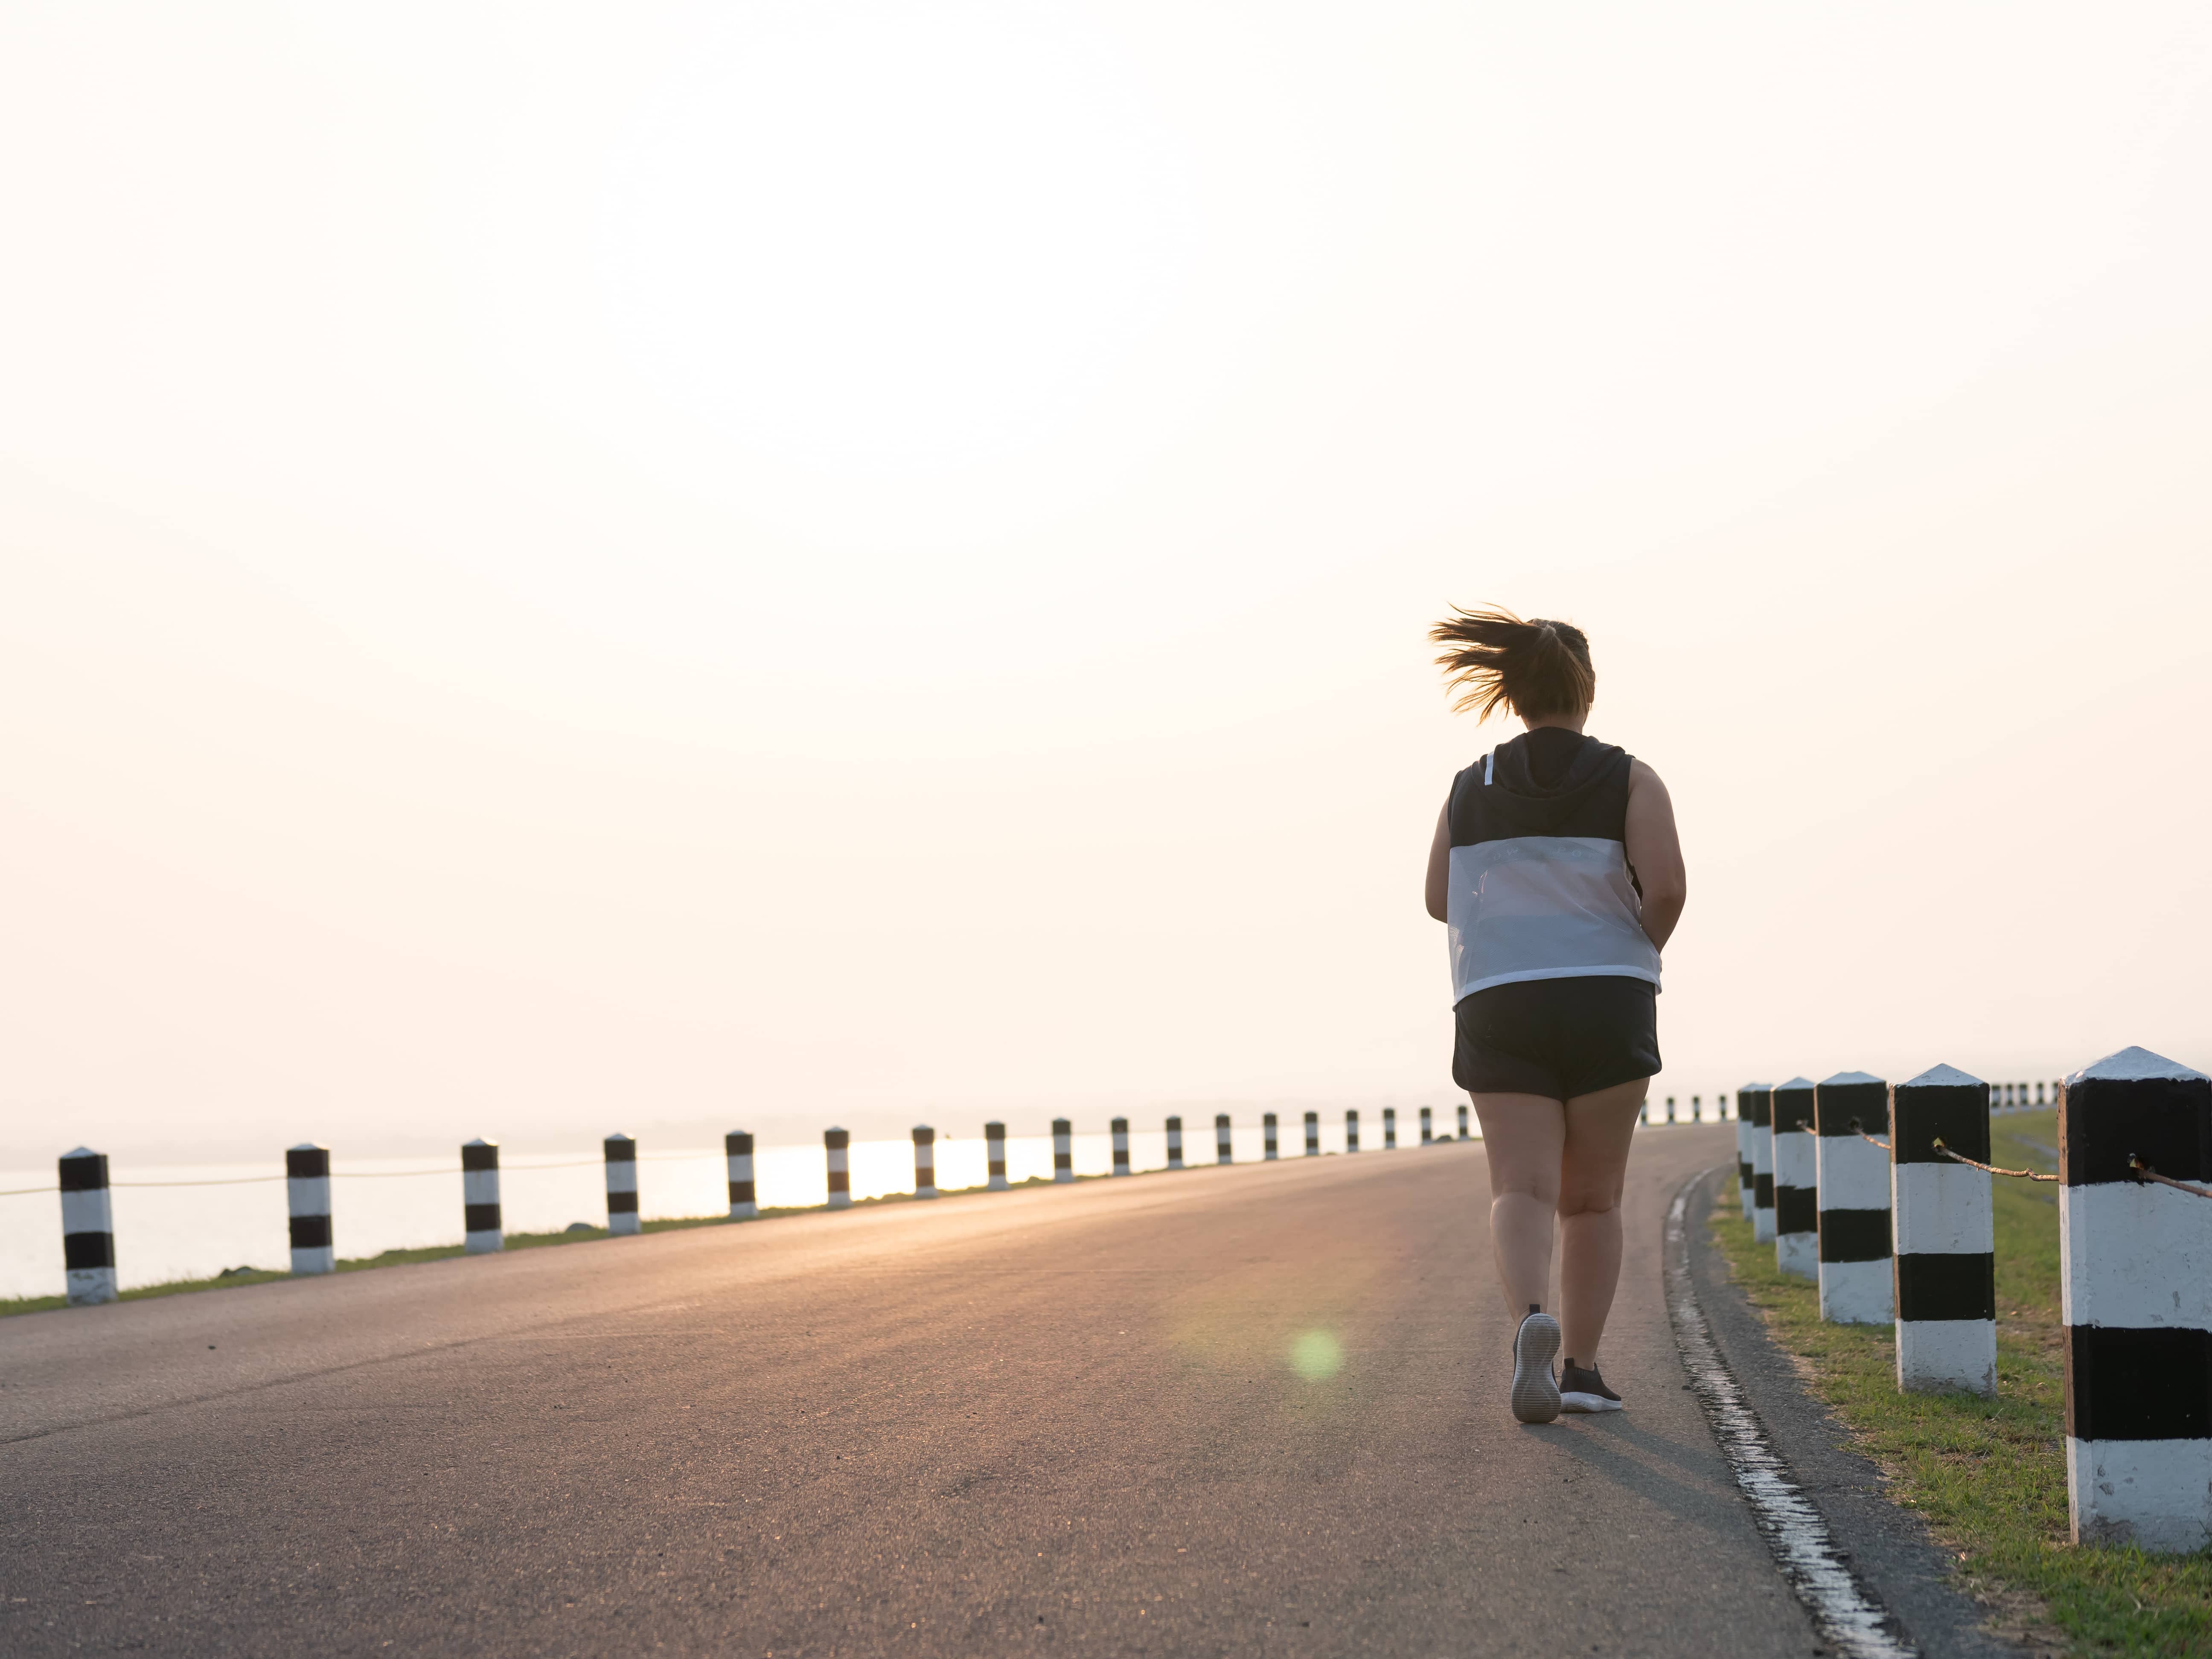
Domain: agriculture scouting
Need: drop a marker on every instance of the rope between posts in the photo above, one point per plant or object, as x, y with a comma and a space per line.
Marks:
2018, 1175
2144, 1172
1867, 1138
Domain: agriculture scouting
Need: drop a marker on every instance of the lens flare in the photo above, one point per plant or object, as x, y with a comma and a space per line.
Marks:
1317, 1356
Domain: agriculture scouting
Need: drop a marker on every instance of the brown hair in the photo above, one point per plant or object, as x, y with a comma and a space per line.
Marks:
1536, 668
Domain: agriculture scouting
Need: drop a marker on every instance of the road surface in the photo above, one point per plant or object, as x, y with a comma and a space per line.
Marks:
1053, 1420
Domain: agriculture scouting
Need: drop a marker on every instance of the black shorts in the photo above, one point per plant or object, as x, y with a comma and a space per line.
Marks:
1558, 1038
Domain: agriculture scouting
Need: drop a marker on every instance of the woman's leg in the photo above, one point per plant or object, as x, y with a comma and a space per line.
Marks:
1593, 1166
1522, 1136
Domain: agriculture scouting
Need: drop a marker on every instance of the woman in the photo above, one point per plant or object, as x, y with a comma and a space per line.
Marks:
1557, 865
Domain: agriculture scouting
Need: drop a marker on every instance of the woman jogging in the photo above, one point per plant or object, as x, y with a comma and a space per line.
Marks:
1557, 866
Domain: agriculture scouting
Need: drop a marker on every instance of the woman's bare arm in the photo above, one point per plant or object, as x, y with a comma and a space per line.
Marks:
1439, 890
1655, 852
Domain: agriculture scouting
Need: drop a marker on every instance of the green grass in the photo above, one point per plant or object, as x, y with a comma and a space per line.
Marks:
1990, 1476
514, 1242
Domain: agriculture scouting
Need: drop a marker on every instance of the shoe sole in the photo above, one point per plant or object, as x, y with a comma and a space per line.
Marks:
1535, 1395
1588, 1402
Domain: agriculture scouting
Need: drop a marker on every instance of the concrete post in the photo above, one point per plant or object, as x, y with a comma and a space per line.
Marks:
1221, 1152
1463, 1124
925, 1161
1313, 1134
480, 1198
1760, 1098
1267, 1124
1175, 1143
1745, 1185
1796, 1180
837, 1148
621, 1187
1063, 1150
1947, 1279
2136, 1282
1389, 1128
307, 1202
994, 1154
738, 1149
1428, 1136
1120, 1128
87, 1228
1351, 1132
1852, 1178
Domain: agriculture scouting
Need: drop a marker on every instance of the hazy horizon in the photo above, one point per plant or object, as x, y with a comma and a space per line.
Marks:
850, 562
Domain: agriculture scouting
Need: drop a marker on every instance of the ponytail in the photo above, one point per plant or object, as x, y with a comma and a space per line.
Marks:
1537, 669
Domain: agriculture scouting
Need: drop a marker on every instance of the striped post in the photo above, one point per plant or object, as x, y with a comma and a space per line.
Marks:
837, 1150
87, 1228
1221, 1154
1428, 1136
1351, 1132
1852, 1177
925, 1161
1947, 1276
1672, 1117
1063, 1150
621, 1187
1120, 1146
1697, 1108
2136, 1282
1759, 1097
1175, 1143
994, 1154
480, 1198
1389, 1128
307, 1200
1462, 1123
2039, 1100
1313, 1134
1643, 1114
1267, 1125
1728, 1112
1745, 1185
737, 1148
1796, 1177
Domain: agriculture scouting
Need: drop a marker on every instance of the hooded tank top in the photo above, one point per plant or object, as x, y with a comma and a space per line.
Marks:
1541, 887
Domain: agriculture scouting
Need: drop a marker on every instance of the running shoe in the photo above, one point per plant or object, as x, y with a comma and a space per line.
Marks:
1582, 1389
1536, 1344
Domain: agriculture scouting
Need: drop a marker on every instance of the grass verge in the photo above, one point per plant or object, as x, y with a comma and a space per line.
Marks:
1990, 1476
514, 1242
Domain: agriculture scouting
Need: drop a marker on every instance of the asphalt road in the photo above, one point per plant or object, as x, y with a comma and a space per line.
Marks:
1048, 1419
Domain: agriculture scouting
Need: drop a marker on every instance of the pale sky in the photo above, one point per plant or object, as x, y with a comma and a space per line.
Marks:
576, 568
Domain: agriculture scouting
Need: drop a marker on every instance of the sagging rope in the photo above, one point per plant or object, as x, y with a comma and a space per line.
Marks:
1941, 1150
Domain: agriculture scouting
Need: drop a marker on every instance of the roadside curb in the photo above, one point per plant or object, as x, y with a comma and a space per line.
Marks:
1873, 1580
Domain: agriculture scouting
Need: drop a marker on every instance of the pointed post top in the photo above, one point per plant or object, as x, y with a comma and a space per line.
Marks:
1943, 1077
2134, 1066
1845, 1079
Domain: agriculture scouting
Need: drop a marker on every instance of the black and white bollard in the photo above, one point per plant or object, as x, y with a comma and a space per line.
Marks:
87, 1228
837, 1152
1671, 1117
2136, 1282
480, 1198
1743, 1177
1729, 1113
1351, 1132
1428, 1133
1697, 1108
1313, 1134
1796, 1180
994, 1157
1462, 1123
1221, 1154
621, 1187
1851, 1175
1759, 1097
1063, 1150
1389, 1128
1120, 1146
1268, 1130
737, 1148
925, 1161
1175, 1143
1947, 1276
307, 1199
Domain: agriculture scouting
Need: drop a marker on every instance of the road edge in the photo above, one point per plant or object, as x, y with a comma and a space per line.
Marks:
1905, 1593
